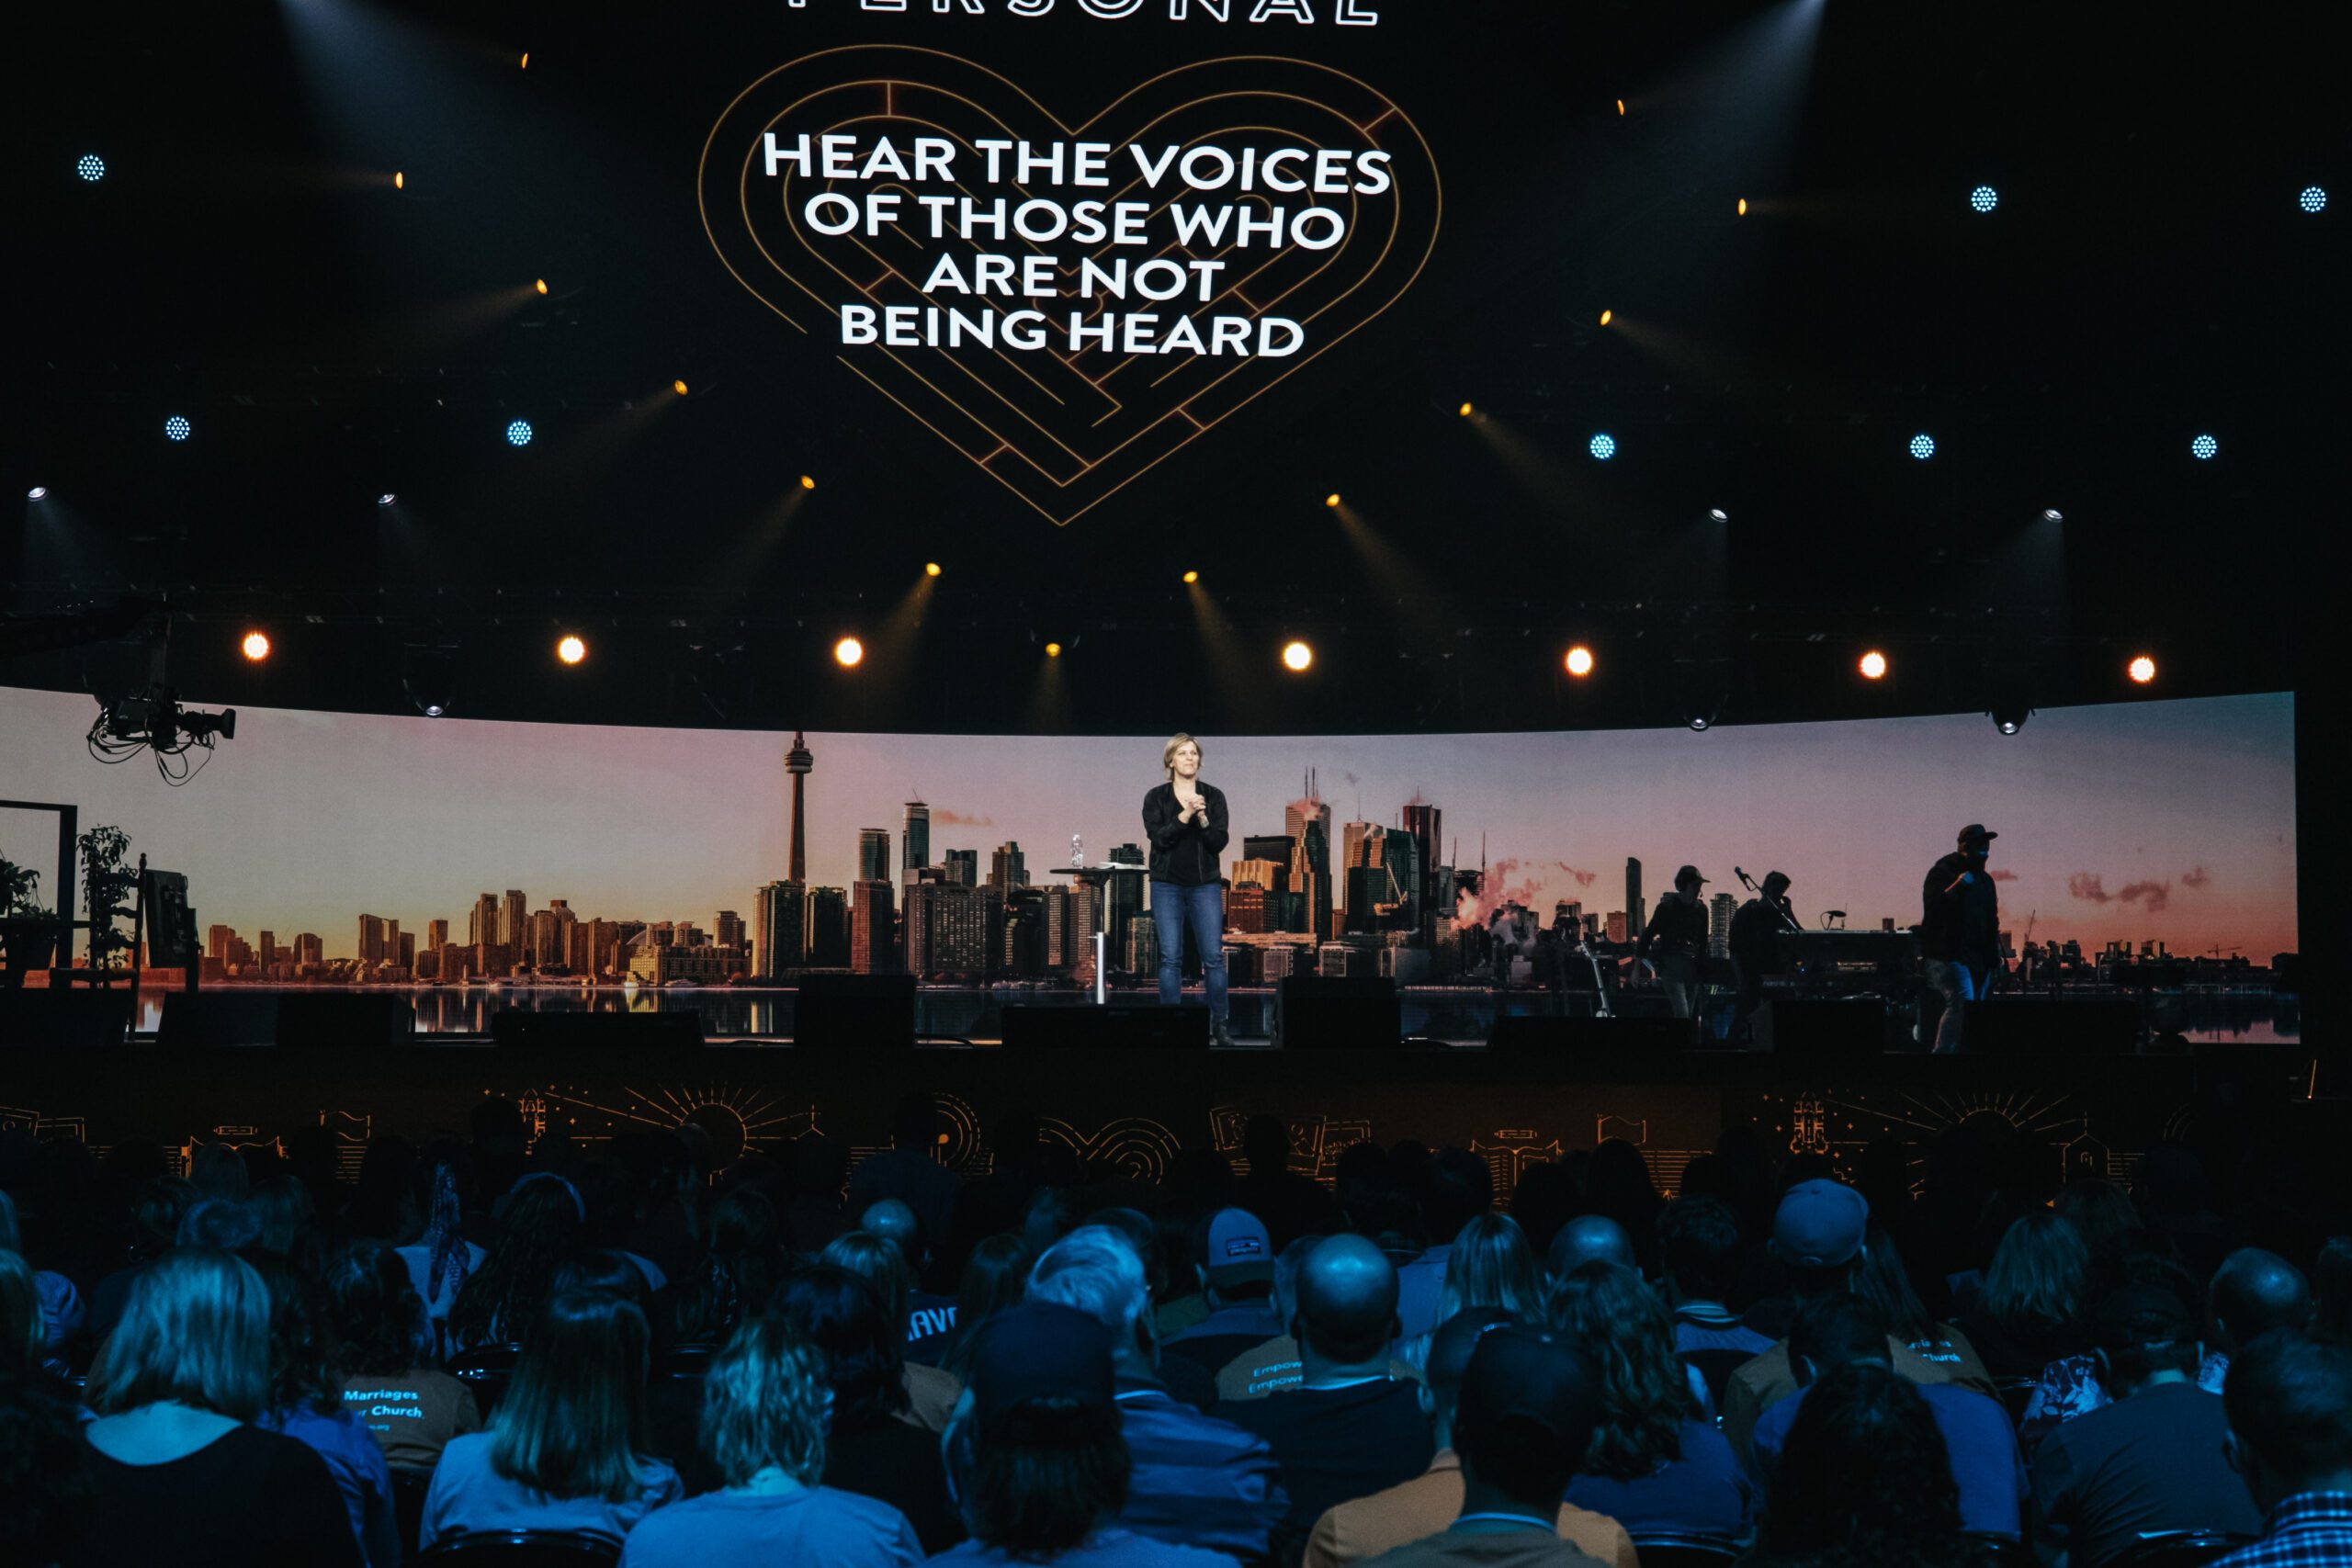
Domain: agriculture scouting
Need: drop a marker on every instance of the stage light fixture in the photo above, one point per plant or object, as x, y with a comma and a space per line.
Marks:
1466, 411
1579, 661
93, 168
1605, 315
2009, 717
519, 433
1621, 107
1052, 650
1873, 665
2203, 448
679, 388
1191, 577
931, 569
2314, 199
2052, 514
1699, 720
570, 648
1984, 199
386, 499
1603, 446
1297, 656
525, 63
848, 651
2142, 671
1742, 210
176, 429
399, 180
38, 493
1718, 515
808, 481
1332, 498
256, 646
434, 710
1923, 446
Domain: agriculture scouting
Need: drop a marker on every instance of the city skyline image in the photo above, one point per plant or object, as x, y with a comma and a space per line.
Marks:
2166, 821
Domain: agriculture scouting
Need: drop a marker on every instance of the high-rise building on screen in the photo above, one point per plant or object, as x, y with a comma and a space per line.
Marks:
873, 854
1007, 871
915, 840
872, 928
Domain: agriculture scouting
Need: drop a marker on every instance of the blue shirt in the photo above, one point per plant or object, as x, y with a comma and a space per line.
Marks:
1196, 1481
1703, 1493
2311, 1530
1109, 1546
1986, 1468
726, 1529
361, 1474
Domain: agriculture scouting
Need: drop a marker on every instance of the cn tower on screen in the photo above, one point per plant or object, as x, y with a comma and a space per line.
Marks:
797, 762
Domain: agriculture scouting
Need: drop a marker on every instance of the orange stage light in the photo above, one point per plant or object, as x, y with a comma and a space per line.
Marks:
679, 388
1297, 655
1873, 665
571, 648
806, 482
931, 569
1579, 661
848, 651
1191, 577
2141, 669
1052, 650
256, 646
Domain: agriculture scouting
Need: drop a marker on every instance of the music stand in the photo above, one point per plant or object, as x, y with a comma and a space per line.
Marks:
1099, 878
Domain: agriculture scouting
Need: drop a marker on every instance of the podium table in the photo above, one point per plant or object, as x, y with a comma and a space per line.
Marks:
1099, 877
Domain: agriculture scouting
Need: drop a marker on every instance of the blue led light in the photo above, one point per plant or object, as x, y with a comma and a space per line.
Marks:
2314, 199
1923, 446
1602, 447
2204, 447
175, 428
1984, 199
93, 168
518, 433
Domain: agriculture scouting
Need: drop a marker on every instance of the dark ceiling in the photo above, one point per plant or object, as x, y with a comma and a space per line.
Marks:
2146, 277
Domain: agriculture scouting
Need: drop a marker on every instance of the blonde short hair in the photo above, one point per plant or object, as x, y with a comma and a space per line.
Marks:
1168, 752
763, 1404
196, 1330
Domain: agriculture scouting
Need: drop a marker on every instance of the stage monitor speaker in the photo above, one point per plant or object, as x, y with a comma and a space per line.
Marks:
1561, 1036
2042, 1027
1814, 1027
866, 1012
352, 1020
203, 1020
1315, 1013
71, 1018
1105, 1027
515, 1028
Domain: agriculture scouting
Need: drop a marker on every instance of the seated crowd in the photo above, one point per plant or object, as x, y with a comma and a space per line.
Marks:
786, 1361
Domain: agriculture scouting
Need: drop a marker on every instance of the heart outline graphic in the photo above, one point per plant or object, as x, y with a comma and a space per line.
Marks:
1060, 436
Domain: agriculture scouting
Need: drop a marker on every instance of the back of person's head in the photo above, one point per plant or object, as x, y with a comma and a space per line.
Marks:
895, 1223
23, 1331
1864, 1468
1588, 1238
222, 1223
1143, 1236
217, 1170
572, 1420
155, 1215
1618, 1183
741, 1268
1880, 1274
2101, 1212
1051, 1215
996, 1275
1490, 1265
1094, 1270
914, 1121
1461, 1188
1836, 1331
2255, 1292
2289, 1403
1347, 1301
1699, 1247
1819, 1231
2142, 1332
763, 1404
1449, 1356
282, 1212
44, 1474
842, 1314
195, 1330
1288, 1262
1525, 1416
1047, 1460
379, 1322
879, 1262
539, 1226
1607, 1311
301, 1340
2040, 1274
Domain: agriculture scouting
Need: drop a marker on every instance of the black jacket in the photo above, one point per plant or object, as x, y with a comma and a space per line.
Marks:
1678, 925
1756, 928
1184, 852
1962, 925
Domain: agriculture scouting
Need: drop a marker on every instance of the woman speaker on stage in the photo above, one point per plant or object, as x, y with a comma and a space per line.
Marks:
1187, 824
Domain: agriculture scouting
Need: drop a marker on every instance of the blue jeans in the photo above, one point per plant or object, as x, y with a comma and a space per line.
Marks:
1175, 907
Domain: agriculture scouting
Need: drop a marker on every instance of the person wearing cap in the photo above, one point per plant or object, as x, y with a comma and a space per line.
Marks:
1755, 942
1676, 938
1818, 1233
1195, 1480
1237, 1272
1960, 930
2289, 1403
1352, 1532
1351, 1426
1035, 1452
1522, 1425
2152, 1460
